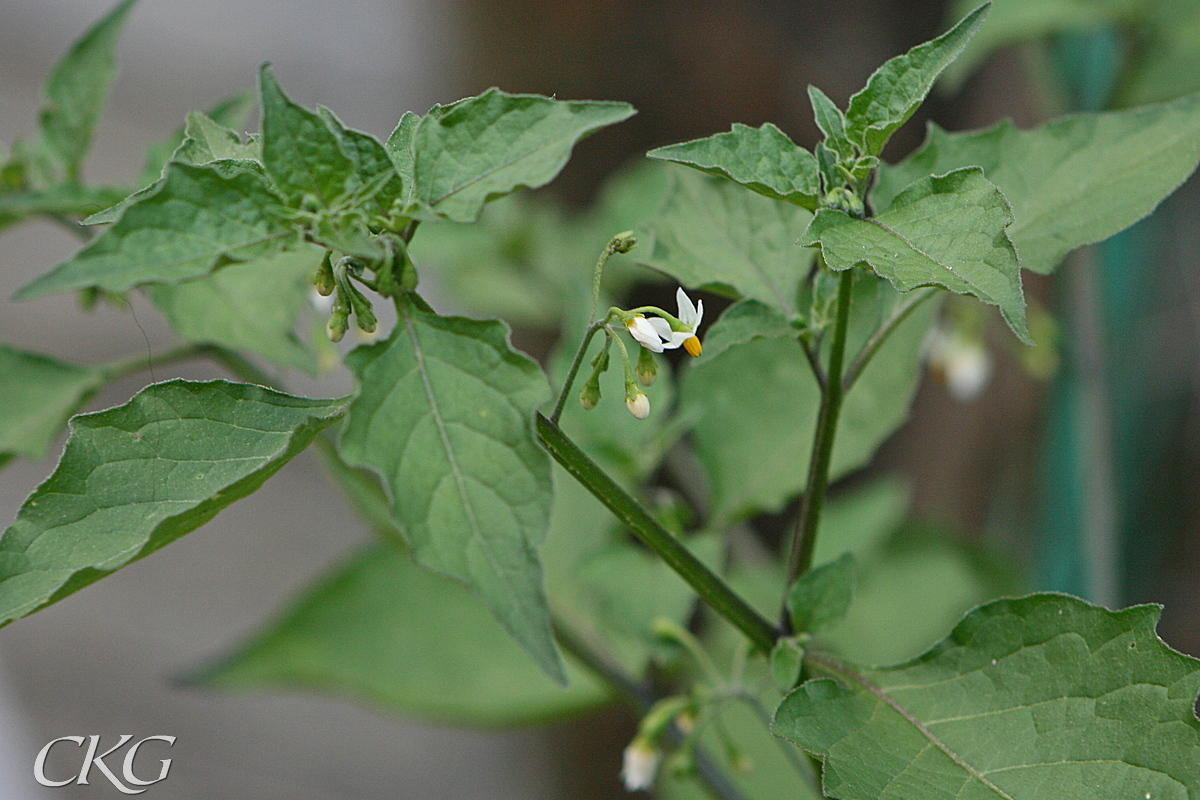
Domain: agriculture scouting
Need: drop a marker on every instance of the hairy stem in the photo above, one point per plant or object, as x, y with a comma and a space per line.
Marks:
805, 537
707, 584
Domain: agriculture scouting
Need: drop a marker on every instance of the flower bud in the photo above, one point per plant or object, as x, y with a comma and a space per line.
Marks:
640, 764
638, 404
590, 395
647, 370
623, 242
337, 325
324, 280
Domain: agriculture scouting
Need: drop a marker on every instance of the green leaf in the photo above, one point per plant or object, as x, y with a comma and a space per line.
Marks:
943, 231
744, 321
829, 119
1043, 696
787, 662
713, 235
37, 395
230, 113
896, 89
137, 477
300, 152
485, 147
206, 140
1060, 199
821, 596
197, 220
250, 306
399, 147
382, 630
444, 417
203, 141
765, 391
69, 200
763, 159
372, 164
78, 89
1015, 21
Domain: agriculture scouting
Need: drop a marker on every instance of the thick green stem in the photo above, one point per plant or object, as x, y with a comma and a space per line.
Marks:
706, 583
805, 538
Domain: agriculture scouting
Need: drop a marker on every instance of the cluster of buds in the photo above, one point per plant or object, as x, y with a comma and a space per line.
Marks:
335, 279
654, 334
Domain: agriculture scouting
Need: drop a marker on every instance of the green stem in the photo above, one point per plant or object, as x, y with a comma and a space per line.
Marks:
877, 339
805, 538
706, 583
574, 370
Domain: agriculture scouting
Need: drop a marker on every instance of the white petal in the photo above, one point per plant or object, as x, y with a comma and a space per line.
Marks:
687, 311
661, 327
645, 333
699, 314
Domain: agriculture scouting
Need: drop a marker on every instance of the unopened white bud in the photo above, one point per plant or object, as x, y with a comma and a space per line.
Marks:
639, 405
640, 764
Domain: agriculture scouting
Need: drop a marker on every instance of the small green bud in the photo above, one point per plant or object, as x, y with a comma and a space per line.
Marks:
845, 200
324, 280
336, 327
623, 242
600, 361
590, 395
647, 369
364, 315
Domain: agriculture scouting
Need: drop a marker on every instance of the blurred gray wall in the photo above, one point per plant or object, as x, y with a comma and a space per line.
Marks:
101, 661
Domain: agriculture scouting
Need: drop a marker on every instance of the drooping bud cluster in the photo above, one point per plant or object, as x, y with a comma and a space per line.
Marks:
336, 279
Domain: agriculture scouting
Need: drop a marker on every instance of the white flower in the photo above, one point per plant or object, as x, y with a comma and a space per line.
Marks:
640, 764
646, 333
638, 404
656, 334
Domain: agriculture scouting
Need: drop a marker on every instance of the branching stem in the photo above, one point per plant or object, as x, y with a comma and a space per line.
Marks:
805, 537
706, 583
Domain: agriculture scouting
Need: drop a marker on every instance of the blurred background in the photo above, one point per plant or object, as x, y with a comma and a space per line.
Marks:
1092, 447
